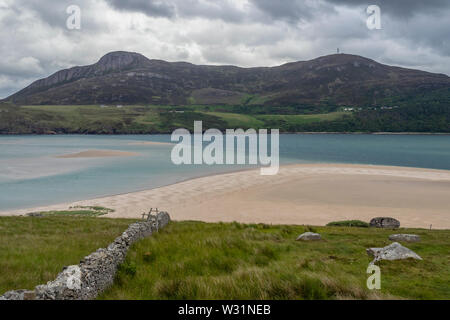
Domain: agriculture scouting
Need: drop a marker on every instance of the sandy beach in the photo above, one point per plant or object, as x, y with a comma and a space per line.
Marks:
313, 194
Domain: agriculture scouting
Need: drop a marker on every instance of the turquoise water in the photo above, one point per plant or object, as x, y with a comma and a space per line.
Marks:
31, 175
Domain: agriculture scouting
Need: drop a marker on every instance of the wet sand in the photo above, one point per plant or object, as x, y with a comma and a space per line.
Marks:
313, 194
98, 154
150, 143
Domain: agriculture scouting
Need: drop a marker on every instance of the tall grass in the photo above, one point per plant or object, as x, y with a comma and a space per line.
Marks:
34, 250
192, 260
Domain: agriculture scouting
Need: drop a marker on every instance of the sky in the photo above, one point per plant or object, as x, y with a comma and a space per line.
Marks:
36, 42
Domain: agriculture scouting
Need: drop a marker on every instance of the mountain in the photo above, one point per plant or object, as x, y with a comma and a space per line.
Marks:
131, 78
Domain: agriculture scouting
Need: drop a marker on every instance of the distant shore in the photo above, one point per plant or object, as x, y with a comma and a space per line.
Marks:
310, 194
162, 133
376, 133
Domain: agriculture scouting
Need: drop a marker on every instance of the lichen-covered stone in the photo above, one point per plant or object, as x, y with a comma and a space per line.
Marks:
66, 285
394, 251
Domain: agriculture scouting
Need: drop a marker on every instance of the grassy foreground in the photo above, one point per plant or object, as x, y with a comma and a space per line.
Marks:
34, 250
191, 260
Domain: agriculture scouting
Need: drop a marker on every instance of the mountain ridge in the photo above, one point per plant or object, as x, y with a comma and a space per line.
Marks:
131, 78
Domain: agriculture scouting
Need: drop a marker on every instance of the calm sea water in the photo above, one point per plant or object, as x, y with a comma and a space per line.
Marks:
31, 175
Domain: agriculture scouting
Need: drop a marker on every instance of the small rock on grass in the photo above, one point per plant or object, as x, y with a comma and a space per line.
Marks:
309, 236
34, 214
404, 238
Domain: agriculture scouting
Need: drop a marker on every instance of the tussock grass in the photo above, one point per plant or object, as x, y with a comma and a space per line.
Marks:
34, 250
349, 223
193, 260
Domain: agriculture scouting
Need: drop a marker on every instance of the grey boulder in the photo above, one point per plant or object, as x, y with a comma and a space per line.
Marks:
404, 238
385, 222
34, 214
394, 251
309, 236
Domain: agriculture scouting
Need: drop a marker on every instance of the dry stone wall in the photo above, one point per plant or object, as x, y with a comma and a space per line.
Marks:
96, 272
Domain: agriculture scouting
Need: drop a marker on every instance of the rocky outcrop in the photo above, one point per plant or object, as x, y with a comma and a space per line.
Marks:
111, 62
309, 236
384, 222
404, 238
96, 272
394, 251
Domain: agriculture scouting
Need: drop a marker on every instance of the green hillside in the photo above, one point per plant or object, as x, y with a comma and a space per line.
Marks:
149, 119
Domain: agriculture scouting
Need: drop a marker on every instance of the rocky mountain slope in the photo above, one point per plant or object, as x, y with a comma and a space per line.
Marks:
131, 78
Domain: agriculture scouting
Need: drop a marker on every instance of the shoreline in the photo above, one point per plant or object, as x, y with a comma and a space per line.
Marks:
223, 173
139, 190
314, 194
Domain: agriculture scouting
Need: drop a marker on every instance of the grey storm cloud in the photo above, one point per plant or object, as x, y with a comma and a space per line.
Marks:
155, 8
34, 40
257, 10
291, 10
211, 9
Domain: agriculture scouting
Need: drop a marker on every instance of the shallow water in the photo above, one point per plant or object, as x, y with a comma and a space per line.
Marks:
31, 175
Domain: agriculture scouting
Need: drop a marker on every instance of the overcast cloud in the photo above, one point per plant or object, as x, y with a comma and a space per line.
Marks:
34, 40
